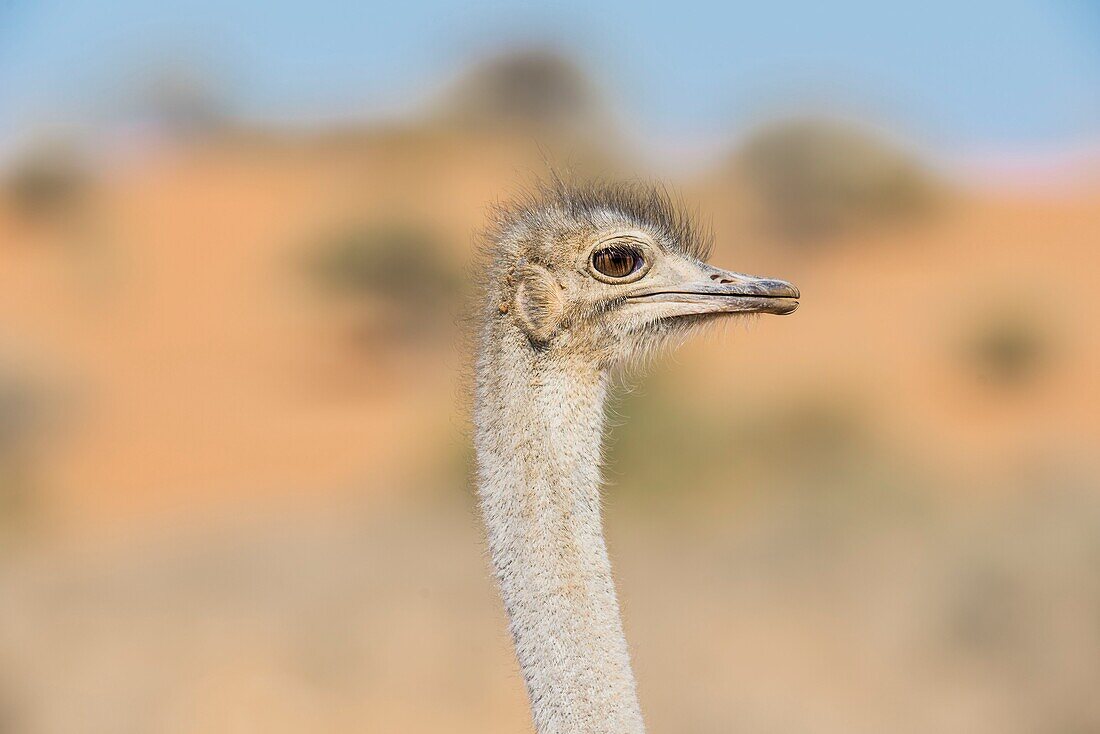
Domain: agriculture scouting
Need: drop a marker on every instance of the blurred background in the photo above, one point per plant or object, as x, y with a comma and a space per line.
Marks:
234, 462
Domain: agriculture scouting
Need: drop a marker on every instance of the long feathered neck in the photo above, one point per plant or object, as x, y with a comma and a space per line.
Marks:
539, 428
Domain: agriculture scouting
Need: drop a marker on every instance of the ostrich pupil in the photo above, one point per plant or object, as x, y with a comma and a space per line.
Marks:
616, 263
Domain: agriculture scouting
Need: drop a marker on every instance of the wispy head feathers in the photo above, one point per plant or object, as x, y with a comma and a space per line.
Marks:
558, 203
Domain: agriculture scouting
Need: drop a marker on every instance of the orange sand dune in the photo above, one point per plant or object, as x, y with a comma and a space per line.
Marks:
197, 369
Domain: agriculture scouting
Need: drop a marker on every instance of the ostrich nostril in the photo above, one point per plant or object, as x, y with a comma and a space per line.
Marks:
725, 281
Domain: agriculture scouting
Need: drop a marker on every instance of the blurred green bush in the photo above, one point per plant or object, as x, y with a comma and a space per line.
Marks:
798, 441
535, 91
48, 181
397, 260
1006, 348
815, 178
398, 274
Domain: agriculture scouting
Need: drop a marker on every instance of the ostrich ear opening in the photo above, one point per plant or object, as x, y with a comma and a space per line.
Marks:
539, 304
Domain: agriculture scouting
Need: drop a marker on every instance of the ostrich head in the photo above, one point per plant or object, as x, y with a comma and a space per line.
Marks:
612, 271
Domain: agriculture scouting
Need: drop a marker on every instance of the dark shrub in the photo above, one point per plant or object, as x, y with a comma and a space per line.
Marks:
817, 178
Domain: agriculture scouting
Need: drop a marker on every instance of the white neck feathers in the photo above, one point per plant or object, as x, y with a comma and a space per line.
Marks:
539, 430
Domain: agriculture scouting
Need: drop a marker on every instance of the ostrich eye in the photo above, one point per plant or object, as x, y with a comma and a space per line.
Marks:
617, 262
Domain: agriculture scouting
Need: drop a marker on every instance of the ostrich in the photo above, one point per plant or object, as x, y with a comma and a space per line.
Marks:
578, 281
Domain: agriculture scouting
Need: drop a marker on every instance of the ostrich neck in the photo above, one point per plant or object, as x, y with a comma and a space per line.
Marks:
539, 428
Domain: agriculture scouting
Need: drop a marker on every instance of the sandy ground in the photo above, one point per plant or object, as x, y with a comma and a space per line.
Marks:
765, 618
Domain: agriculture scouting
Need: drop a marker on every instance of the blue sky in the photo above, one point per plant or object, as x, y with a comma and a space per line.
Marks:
975, 75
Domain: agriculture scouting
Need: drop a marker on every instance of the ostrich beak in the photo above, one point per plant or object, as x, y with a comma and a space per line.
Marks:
712, 290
